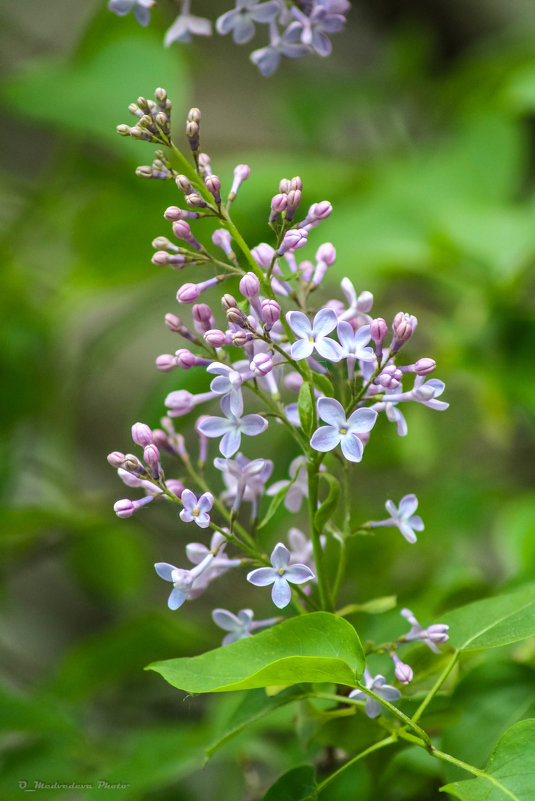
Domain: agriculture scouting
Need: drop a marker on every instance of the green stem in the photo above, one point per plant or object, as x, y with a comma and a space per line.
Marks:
313, 480
436, 687
375, 747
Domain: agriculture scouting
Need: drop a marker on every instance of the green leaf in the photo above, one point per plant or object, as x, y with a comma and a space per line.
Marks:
318, 647
374, 607
306, 407
323, 384
275, 503
330, 503
298, 784
493, 621
255, 705
510, 772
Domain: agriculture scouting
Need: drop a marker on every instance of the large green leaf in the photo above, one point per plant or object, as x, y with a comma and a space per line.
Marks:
510, 772
319, 647
493, 621
298, 784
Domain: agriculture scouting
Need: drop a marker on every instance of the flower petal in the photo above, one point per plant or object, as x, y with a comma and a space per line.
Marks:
329, 349
281, 593
176, 599
352, 447
215, 426
230, 442
331, 412
164, 570
416, 522
325, 439
244, 29
253, 424
408, 505
300, 324
280, 556
324, 322
262, 576
302, 349
225, 620
298, 574
362, 421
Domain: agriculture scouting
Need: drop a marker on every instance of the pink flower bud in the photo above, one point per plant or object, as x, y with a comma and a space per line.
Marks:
188, 293
261, 364
263, 255
425, 366
403, 672
182, 230
241, 338
284, 186
241, 173
403, 326
213, 184
296, 183
249, 286
161, 440
293, 240
293, 381
390, 377
278, 205
116, 459
185, 359
166, 362
132, 464
307, 270
141, 434
378, 330
175, 486
173, 213
221, 239
124, 508
151, 456
179, 402
271, 312
160, 258
321, 210
292, 203
163, 243
215, 338
203, 319
326, 253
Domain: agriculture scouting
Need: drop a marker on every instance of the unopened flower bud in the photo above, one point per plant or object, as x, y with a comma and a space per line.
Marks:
241, 338
241, 173
185, 359
403, 671
160, 96
378, 330
425, 366
192, 133
173, 213
215, 338
141, 434
166, 362
235, 316
249, 286
116, 459
205, 164
261, 364
293, 240
176, 325
390, 377
221, 239
179, 402
229, 302
284, 186
188, 293
403, 326
133, 465
293, 381
195, 201
296, 183
163, 243
278, 205
326, 253
184, 184
263, 255
194, 115
213, 184
151, 456
292, 203
203, 319
124, 508
271, 312
175, 486
123, 130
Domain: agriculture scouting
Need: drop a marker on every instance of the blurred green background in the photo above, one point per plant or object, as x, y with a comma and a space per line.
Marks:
420, 129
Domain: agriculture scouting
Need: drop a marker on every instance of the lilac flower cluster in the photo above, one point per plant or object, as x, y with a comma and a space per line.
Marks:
294, 29
281, 355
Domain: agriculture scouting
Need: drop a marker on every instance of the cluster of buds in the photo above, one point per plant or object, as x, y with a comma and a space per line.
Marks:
153, 119
291, 347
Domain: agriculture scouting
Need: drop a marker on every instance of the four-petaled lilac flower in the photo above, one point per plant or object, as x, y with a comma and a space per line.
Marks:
241, 20
267, 59
196, 508
197, 552
183, 580
139, 7
239, 626
297, 485
354, 344
436, 633
379, 686
403, 517
185, 25
244, 478
312, 30
301, 549
231, 427
314, 335
340, 431
227, 382
279, 575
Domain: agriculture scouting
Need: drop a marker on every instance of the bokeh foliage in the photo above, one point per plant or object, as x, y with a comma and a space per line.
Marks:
420, 131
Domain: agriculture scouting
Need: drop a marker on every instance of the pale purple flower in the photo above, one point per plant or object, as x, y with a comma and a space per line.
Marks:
231, 427
301, 549
314, 336
183, 580
312, 30
239, 626
185, 25
197, 552
379, 686
139, 7
403, 671
228, 382
403, 517
297, 485
279, 575
241, 20
436, 633
421, 391
267, 59
340, 431
245, 479
354, 344
196, 509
